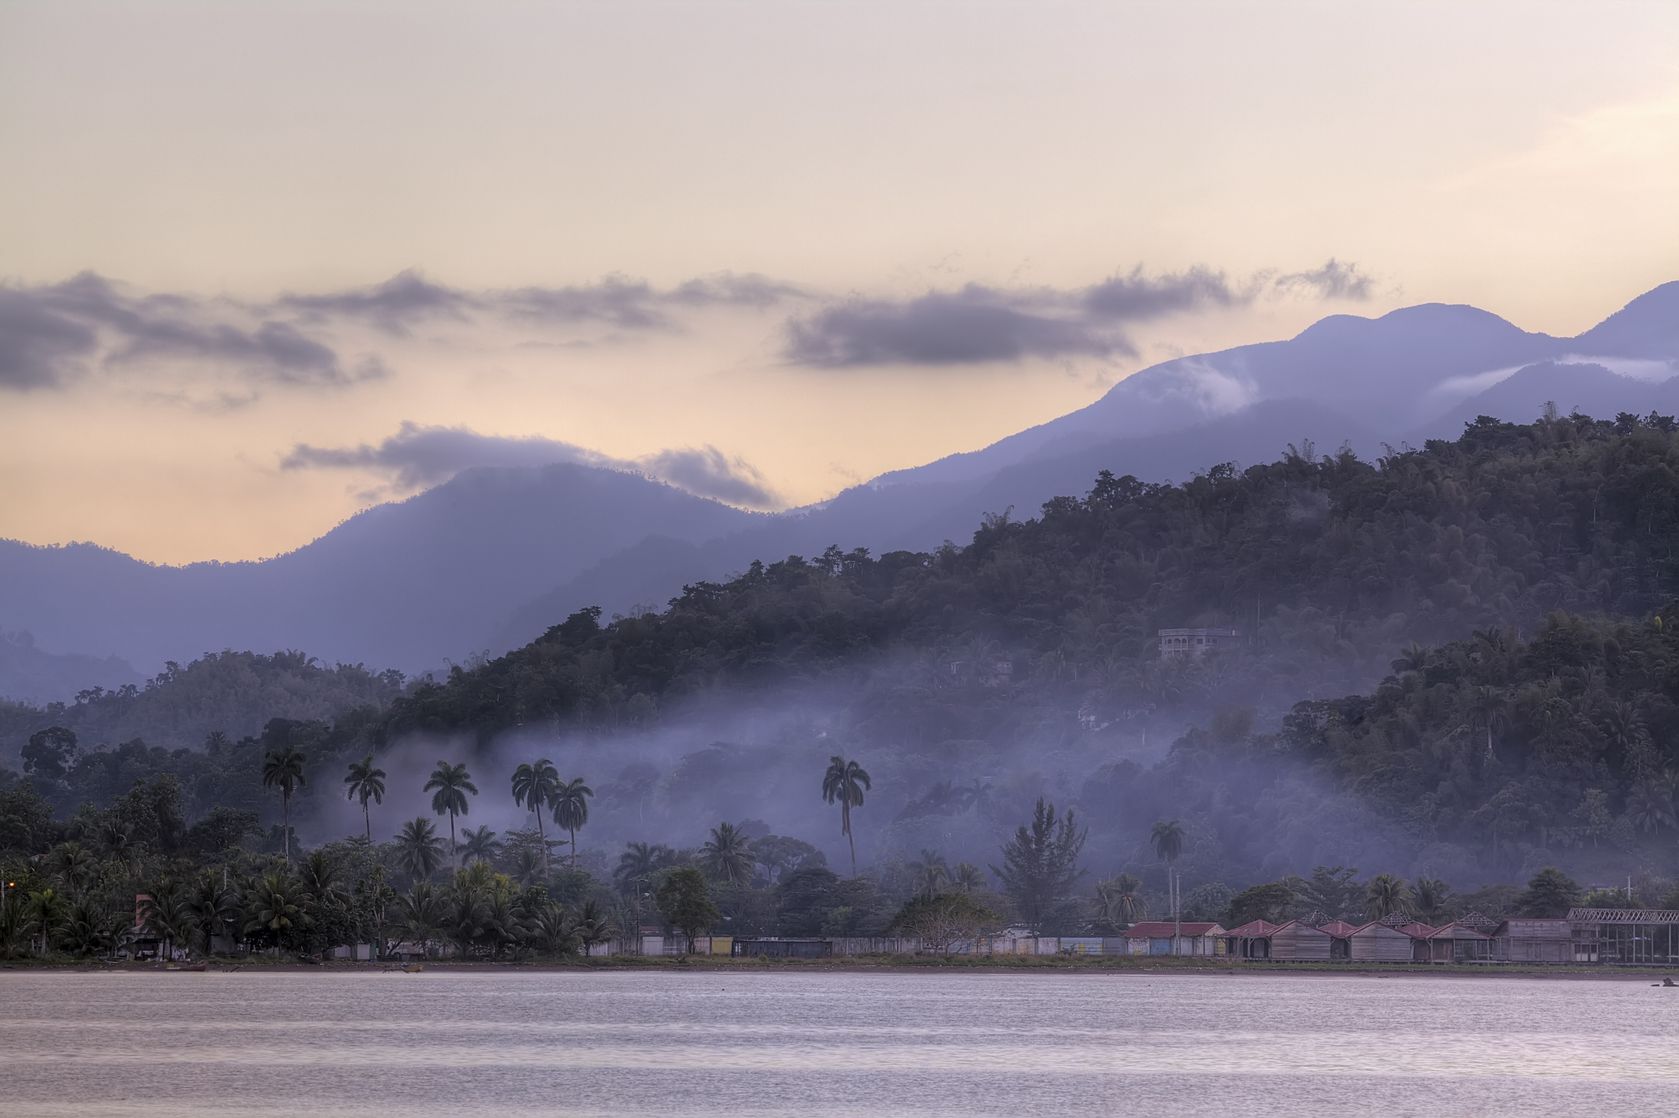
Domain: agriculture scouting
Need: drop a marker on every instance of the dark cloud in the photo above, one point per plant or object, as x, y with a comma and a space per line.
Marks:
978, 324
390, 306
975, 324
48, 330
1136, 297
1335, 280
708, 472
620, 301
418, 456
39, 347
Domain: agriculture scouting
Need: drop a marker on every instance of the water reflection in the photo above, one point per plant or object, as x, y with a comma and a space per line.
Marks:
826, 1043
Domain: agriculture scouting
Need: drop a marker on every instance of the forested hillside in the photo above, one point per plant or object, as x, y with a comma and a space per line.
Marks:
1327, 564
1494, 605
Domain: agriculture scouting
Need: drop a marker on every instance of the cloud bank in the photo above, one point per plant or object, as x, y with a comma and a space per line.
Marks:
977, 324
417, 457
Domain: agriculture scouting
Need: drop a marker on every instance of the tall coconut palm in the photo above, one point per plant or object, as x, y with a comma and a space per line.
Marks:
1386, 895
967, 878
844, 784
364, 783
283, 769
1167, 839
449, 787
418, 848
480, 845
571, 810
535, 786
728, 854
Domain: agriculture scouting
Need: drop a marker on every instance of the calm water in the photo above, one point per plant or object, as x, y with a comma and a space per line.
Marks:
827, 1043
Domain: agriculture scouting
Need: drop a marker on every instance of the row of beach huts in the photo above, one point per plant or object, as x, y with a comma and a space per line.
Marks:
1621, 937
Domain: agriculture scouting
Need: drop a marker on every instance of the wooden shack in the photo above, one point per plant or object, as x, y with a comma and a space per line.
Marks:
1298, 941
1379, 943
1250, 941
1533, 939
1340, 938
1418, 933
1458, 942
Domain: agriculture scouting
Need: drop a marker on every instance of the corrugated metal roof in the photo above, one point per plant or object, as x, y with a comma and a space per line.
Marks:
1254, 929
1418, 930
1380, 924
1340, 929
1457, 930
1623, 915
1160, 929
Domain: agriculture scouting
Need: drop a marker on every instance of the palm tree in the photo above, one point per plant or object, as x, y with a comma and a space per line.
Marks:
366, 783
421, 914
211, 906
844, 783
272, 912
1386, 895
639, 862
1167, 838
480, 845
571, 809
593, 926
418, 848
88, 927
283, 769
165, 914
44, 913
449, 786
728, 854
535, 786
1121, 899
1431, 894
967, 878
930, 874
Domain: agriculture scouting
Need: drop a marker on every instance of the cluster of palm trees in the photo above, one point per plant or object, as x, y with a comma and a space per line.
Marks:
536, 786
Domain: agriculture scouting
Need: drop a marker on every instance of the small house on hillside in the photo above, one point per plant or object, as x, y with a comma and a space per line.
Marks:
1155, 937
1180, 643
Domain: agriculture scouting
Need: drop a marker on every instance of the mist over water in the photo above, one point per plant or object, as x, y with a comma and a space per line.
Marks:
829, 1043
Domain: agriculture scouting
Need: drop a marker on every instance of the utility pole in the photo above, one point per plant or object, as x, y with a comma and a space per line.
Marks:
1174, 880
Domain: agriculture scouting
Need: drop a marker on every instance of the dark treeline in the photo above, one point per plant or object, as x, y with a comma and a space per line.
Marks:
1493, 606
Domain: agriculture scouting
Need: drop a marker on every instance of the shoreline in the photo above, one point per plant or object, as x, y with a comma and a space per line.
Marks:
1121, 966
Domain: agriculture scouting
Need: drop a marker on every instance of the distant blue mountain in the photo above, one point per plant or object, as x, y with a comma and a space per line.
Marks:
492, 558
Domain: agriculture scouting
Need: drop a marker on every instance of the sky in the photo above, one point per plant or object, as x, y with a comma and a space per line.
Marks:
263, 264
